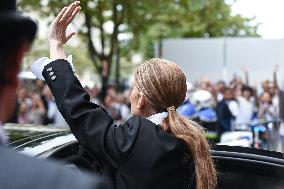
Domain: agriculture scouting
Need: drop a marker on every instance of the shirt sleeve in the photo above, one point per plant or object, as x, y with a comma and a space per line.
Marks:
38, 66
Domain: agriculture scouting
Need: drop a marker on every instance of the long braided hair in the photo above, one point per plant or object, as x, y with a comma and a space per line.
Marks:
164, 85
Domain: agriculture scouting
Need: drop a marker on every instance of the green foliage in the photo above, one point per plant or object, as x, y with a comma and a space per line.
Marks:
40, 48
190, 18
145, 22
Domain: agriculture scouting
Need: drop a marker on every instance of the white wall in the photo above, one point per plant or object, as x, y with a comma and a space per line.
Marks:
207, 57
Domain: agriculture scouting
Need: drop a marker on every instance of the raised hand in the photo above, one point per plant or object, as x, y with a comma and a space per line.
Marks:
275, 68
57, 36
57, 30
245, 69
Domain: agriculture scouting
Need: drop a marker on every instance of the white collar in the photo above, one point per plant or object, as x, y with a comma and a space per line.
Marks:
158, 118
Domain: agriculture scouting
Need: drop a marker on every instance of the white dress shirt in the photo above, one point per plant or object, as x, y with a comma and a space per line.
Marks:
39, 64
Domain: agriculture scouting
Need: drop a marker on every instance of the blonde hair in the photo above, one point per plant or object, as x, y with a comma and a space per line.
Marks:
164, 85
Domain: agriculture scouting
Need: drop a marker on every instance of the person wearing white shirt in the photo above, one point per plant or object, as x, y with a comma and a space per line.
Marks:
246, 108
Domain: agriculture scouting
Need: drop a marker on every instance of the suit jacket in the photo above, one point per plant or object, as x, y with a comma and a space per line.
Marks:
224, 115
281, 104
21, 172
139, 154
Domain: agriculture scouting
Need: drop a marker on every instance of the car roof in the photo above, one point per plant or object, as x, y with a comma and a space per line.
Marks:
35, 139
247, 150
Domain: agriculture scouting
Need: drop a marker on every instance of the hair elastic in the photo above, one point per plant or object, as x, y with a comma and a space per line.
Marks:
172, 108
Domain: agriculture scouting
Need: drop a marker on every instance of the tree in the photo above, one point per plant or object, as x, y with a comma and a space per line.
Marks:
143, 22
40, 49
191, 18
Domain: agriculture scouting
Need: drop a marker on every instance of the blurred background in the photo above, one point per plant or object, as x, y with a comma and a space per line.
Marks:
232, 52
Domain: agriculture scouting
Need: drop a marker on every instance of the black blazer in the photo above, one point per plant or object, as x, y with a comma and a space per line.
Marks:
138, 153
224, 116
21, 172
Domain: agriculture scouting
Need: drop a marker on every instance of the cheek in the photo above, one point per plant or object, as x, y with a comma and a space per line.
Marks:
8, 103
133, 102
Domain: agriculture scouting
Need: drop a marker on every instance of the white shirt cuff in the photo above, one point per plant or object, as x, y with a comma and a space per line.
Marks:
38, 65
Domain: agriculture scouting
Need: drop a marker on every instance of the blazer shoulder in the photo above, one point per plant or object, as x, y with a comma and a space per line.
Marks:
127, 134
138, 120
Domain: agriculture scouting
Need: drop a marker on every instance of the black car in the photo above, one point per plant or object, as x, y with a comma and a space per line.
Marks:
237, 167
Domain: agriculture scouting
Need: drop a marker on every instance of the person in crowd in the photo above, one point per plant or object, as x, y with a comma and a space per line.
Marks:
236, 84
39, 86
17, 170
23, 96
281, 117
224, 114
279, 99
124, 105
53, 115
205, 84
37, 111
187, 109
205, 112
275, 91
23, 114
219, 88
265, 85
266, 110
111, 106
95, 91
246, 108
203, 101
156, 147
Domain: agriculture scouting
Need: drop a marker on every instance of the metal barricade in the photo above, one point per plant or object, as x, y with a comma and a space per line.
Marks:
265, 134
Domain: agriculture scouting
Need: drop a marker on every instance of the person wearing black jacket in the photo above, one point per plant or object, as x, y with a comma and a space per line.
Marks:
156, 147
17, 170
224, 114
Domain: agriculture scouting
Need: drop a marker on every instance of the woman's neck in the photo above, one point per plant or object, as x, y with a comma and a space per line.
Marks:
149, 112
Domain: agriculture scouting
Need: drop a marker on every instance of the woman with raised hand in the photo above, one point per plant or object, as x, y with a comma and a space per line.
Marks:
156, 147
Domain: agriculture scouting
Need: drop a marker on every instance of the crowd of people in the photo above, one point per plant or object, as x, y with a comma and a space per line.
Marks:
155, 148
233, 106
36, 105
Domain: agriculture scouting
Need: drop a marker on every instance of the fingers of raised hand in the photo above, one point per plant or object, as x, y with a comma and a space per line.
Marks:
69, 35
276, 67
74, 13
59, 16
69, 12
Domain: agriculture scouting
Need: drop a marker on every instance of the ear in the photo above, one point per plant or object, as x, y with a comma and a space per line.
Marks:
141, 101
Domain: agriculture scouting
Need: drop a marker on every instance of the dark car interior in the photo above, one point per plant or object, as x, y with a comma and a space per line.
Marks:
248, 168
237, 167
79, 156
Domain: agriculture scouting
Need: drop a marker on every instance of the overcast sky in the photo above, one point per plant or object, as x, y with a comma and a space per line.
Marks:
270, 13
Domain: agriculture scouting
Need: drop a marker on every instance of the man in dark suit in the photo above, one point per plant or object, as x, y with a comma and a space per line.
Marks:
225, 116
18, 171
